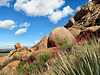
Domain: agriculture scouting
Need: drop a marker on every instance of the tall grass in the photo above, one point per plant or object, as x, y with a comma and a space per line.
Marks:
82, 60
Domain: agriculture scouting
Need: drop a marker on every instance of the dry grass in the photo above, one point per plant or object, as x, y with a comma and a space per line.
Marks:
3, 54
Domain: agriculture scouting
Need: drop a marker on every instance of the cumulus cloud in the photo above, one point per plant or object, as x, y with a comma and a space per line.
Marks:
58, 15
38, 7
24, 24
5, 3
21, 31
7, 24
48, 8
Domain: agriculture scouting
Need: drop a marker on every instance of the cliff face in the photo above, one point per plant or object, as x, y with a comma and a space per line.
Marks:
88, 15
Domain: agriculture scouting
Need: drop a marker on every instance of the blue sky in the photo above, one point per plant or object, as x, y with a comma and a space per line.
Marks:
28, 21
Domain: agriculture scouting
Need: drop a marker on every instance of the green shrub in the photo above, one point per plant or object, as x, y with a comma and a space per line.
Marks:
83, 60
33, 67
63, 44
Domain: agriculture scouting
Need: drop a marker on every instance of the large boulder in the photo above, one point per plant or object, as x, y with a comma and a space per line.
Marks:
42, 44
17, 45
59, 34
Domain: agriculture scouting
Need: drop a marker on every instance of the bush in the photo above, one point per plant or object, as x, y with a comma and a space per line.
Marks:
83, 60
33, 67
63, 44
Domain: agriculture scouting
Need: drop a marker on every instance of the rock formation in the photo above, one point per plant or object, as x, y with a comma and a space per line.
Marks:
42, 44
17, 45
59, 34
87, 18
88, 14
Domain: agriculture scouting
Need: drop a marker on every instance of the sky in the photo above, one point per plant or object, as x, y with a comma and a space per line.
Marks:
28, 21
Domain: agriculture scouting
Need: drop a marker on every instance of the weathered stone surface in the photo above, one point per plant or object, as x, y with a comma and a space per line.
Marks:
42, 44
9, 69
3, 60
60, 33
93, 29
19, 52
89, 13
26, 56
71, 22
17, 45
75, 32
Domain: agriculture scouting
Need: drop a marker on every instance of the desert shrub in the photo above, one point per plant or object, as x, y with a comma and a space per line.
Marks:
33, 67
83, 60
64, 44
2, 73
3, 54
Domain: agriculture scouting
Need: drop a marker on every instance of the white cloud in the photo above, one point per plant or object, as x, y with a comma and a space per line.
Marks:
9, 44
5, 3
26, 44
41, 33
58, 15
24, 24
7, 24
90, 0
21, 31
36, 42
38, 7
78, 8
48, 8
21, 44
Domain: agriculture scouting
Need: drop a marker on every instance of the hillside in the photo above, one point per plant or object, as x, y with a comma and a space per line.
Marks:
70, 50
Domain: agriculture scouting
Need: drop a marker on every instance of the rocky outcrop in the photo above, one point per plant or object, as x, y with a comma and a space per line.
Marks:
96, 1
35, 54
3, 60
93, 29
87, 19
59, 34
86, 16
75, 32
9, 69
19, 52
42, 44
17, 45
71, 22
